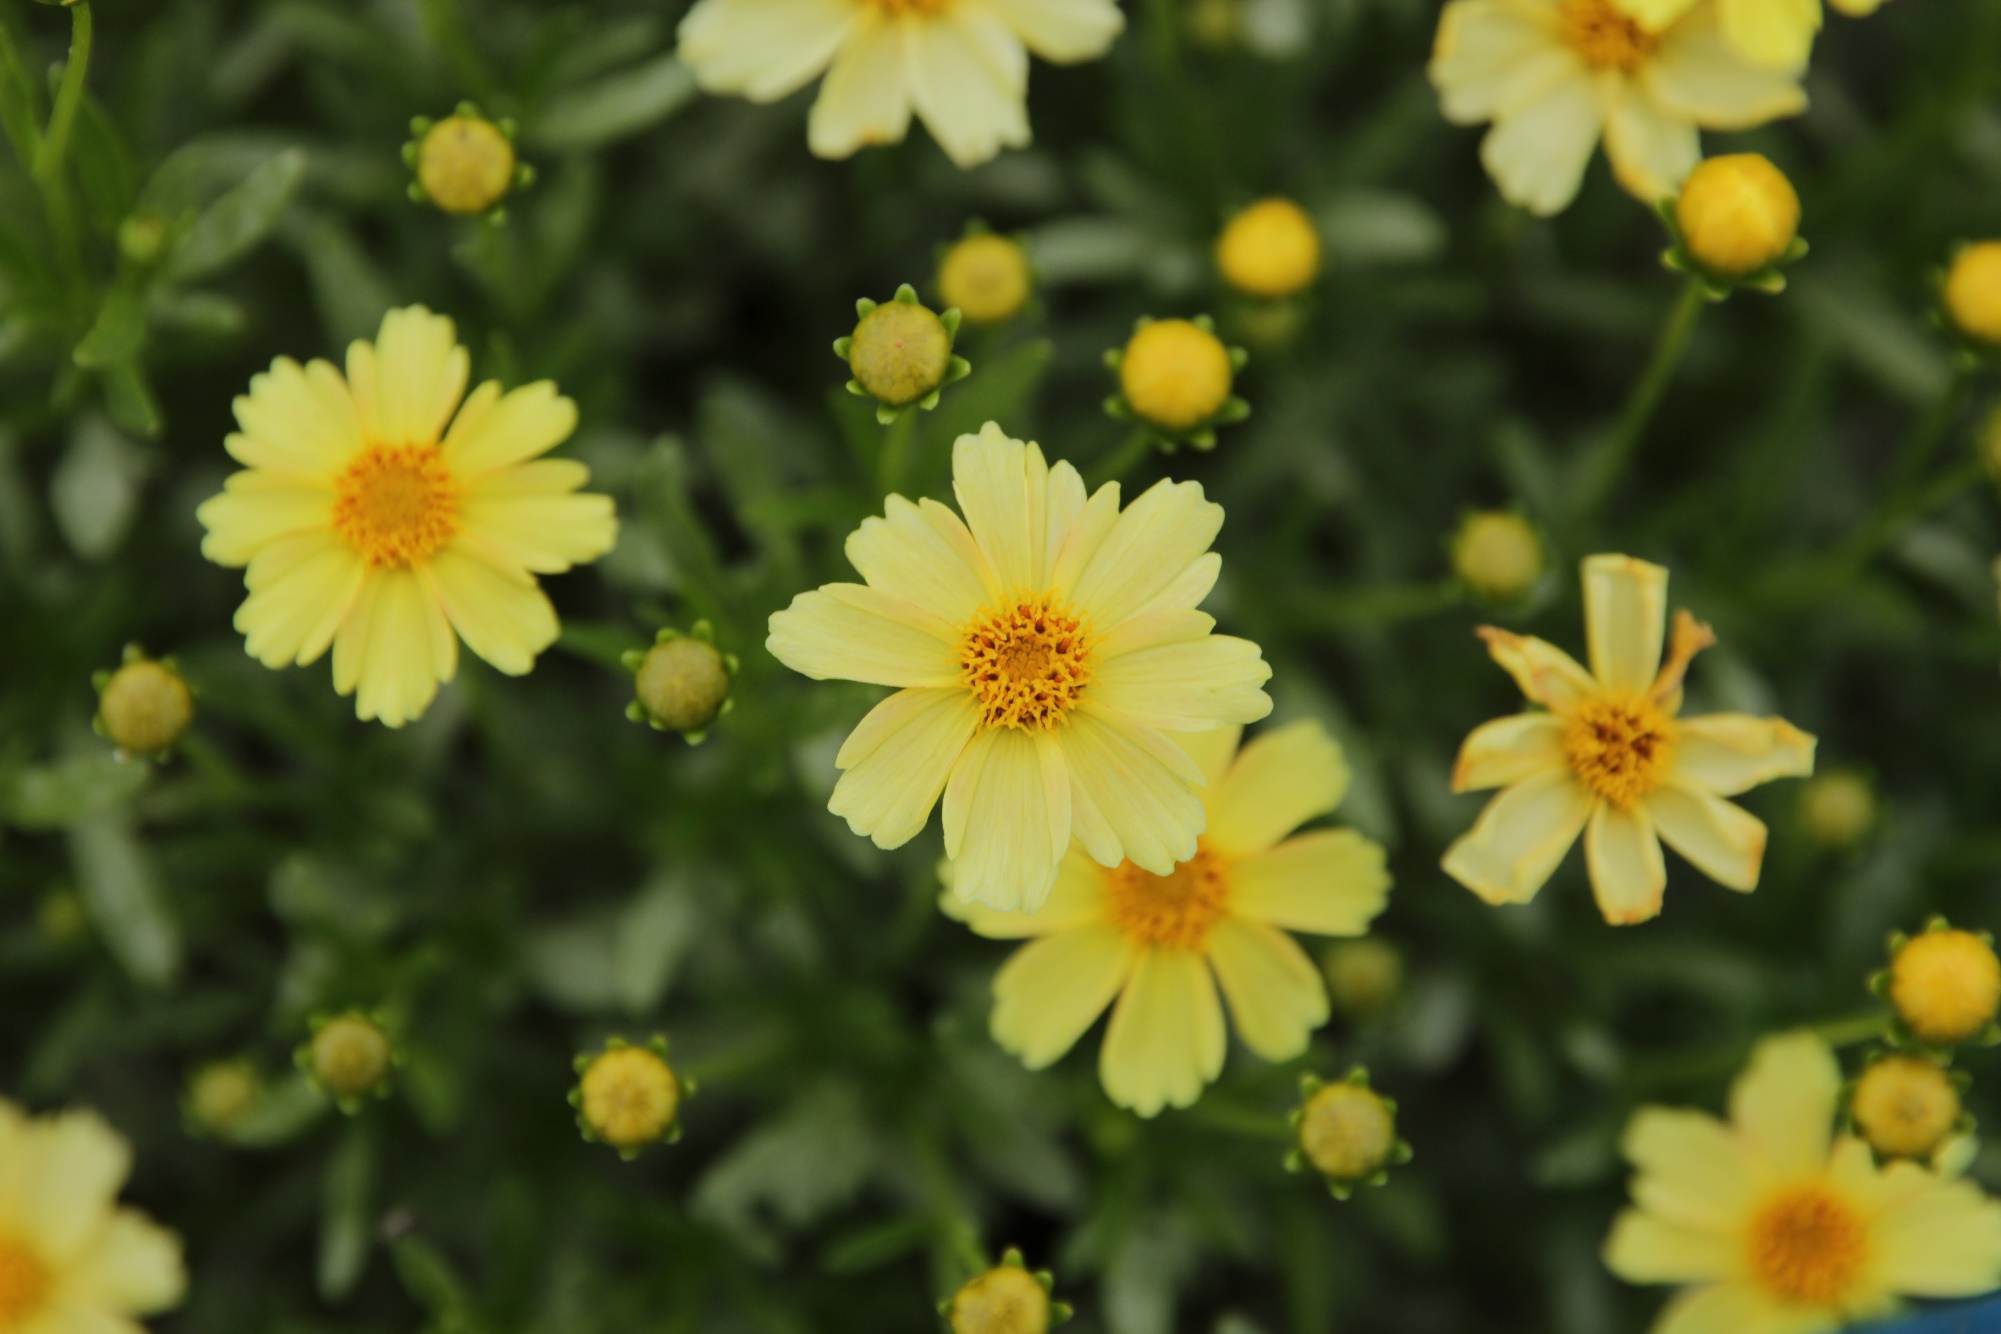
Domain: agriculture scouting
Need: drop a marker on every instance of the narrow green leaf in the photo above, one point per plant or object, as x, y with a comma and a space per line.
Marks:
345, 1205
104, 170
235, 223
118, 332
20, 103
122, 893
623, 104
429, 1278
52, 796
129, 398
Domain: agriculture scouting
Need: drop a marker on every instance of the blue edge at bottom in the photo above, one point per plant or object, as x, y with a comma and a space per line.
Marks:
1980, 1317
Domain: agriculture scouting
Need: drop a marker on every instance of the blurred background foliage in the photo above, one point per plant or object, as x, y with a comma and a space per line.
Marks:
525, 872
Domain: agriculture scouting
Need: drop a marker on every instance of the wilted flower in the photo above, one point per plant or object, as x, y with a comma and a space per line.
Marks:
1271, 249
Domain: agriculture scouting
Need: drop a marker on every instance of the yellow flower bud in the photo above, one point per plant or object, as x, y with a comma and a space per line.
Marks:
1363, 976
1973, 292
1838, 808
1004, 1300
465, 164
1271, 249
145, 707
1347, 1132
1497, 554
220, 1093
629, 1096
986, 277
1215, 25
682, 683
349, 1057
1175, 374
1737, 214
1945, 985
1905, 1106
900, 352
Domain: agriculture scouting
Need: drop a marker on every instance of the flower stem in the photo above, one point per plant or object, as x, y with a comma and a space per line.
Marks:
1129, 455
1930, 432
1855, 1028
1613, 459
69, 96
895, 455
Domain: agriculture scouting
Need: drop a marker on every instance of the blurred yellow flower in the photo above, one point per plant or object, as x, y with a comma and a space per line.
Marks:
1271, 249
1158, 945
986, 278
1777, 34
1737, 214
1777, 1225
1972, 294
1945, 985
1610, 759
1042, 647
368, 527
1555, 75
71, 1260
1175, 373
961, 65
1905, 1106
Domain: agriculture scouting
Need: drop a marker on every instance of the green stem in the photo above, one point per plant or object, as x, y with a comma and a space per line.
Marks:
1131, 452
895, 455
1899, 513
957, 1228
1669, 348
1930, 432
1855, 1028
69, 96
1384, 604
1163, 25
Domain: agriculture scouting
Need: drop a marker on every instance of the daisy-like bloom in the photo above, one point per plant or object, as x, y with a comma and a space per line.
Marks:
961, 65
370, 528
1043, 646
1158, 945
71, 1260
1780, 1227
1555, 75
1777, 34
1607, 756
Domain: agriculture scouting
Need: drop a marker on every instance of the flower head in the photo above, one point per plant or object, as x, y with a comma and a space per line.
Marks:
1775, 34
1905, 1106
1175, 377
629, 1097
1042, 647
1498, 554
1007, 1299
682, 684
465, 163
1944, 984
70, 1257
1364, 977
1155, 947
220, 1094
1737, 216
1347, 1133
901, 354
1554, 76
961, 65
368, 527
1776, 1223
1972, 293
145, 706
348, 1058
1271, 249
985, 277
1608, 755
1838, 808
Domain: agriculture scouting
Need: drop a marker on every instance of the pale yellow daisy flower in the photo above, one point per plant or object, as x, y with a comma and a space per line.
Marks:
370, 528
1608, 756
1778, 1226
71, 1260
1160, 945
1555, 76
961, 65
1043, 648
1777, 34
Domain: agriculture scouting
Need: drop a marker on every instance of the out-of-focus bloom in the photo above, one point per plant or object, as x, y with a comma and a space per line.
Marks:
348, 1058
1944, 984
1737, 215
1175, 377
1906, 1106
985, 277
72, 1260
1364, 977
1271, 249
1347, 1133
465, 163
220, 1094
369, 528
144, 707
1554, 76
901, 354
1972, 293
961, 65
1007, 1299
1498, 555
681, 684
1159, 945
1042, 648
1774, 1223
1608, 757
1777, 34
629, 1097
1838, 809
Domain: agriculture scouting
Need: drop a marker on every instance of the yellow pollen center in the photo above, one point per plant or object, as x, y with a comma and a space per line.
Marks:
396, 504
895, 7
24, 1284
1621, 746
1175, 911
1026, 662
1605, 38
1807, 1247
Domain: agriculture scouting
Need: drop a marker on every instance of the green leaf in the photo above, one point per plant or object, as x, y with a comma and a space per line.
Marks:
345, 1205
615, 107
104, 169
429, 1278
235, 223
118, 332
997, 391
20, 103
56, 795
95, 489
351, 291
129, 398
655, 933
282, 1113
122, 893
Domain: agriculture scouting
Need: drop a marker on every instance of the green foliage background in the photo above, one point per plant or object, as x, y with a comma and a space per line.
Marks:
525, 872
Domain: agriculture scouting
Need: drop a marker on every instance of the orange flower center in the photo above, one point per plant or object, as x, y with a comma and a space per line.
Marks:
24, 1283
1174, 911
1027, 662
893, 8
1621, 746
1605, 38
1808, 1246
396, 504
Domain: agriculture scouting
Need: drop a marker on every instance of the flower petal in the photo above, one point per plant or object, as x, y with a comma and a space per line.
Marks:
296, 420
1002, 485
393, 649
133, 1266
1654, 15
1063, 31
1695, 74
1282, 779
305, 588
1213, 751
1494, 57
1149, 548
1076, 901
1777, 34
1275, 993
1546, 674
1625, 620
495, 430
258, 507
76, 1164
1942, 1238
1509, 750
1728, 753
968, 78
1007, 818
1331, 882
1537, 151
1134, 790
1520, 837
1166, 1037
1722, 840
546, 534
1783, 1104
1651, 149
504, 619
1053, 989
1736, 1307
1693, 1169
1187, 686
851, 632
925, 556
407, 382
866, 97
1623, 855
1646, 1249
897, 762
763, 49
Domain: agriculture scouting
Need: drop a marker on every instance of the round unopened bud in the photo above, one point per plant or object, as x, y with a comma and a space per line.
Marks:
1271, 249
629, 1097
1973, 292
1905, 1106
61, 917
1838, 808
1215, 25
986, 277
1737, 214
349, 1057
682, 683
1004, 1300
1346, 1131
1363, 976
900, 352
1175, 374
145, 707
1945, 985
141, 238
1498, 554
465, 164
221, 1093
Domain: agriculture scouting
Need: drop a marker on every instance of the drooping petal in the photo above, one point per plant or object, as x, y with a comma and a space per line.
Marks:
1696, 75
763, 49
1546, 674
393, 649
1723, 840
1625, 620
1509, 750
1519, 839
1053, 989
1494, 57
1002, 485
1007, 818
1077, 900
968, 76
1063, 31
296, 419
1166, 1036
1693, 1169
924, 556
1331, 882
851, 632
1942, 1238
1537, 151
1652, 150
495, 430
1645, 1249
1623, 855
1783, 1104
258, 507
306, 587
1138, 783
866, 97
897, 761
1728, 753
1275, 993
543, 533
1282, 779
1777, 34
76, 1164
407, 382
132, 1267
1187, 686
1151, 545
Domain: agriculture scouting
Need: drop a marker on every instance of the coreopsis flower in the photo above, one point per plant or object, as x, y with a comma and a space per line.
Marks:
1176, 378
145, 706
1155, 947
1270, 250
72, 1260
1007, 1299
1042, 648
1944, 985
348, 1058
1737, 218
1608, 756
1498, 555
464, 164
1347, 1132
368, 527
1775, 1223
1906, 1106
961, 65
1554, 76
1777, 34
629, 1096
985, 277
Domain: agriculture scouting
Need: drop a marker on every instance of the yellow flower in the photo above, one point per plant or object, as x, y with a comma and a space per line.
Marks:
465, 163
1158, 945
1777, 1225
1498, 554
1838, 809
144, 707
1608, 757
961, 65
1042, 648
629, 1097
1271, 249
1945, 985
348, 1057
1777, 34
71, 1260
369, 528
1738, 214
1555, 75
1905, 1106
1973, 292
986, 278
1176, 376
1007, 1299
